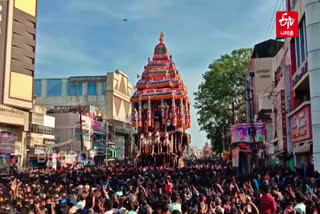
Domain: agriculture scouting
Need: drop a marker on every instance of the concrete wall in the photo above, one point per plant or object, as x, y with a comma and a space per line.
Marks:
263, 83
65, 124
119, 92
115, 104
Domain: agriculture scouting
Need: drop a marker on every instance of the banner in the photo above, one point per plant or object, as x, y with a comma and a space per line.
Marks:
54, 161
240, 133
7, 142
235, 157
97, 125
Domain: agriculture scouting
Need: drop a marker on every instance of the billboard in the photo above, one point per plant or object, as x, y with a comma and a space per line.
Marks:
301, 126
240, 132
7, 142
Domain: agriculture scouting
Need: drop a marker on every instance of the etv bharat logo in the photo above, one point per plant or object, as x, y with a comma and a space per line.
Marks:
287, 24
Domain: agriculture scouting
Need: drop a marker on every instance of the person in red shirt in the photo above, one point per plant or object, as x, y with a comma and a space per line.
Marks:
268, 204
169, 187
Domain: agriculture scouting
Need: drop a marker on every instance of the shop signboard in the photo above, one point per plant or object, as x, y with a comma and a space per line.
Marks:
300, 74
301, 128
39, 151
37, 119
111, 153
123, 130
97, 126
85, 79
240, 133
284, 120
49, 121
7, 142
49, 142
235, 157
86, 123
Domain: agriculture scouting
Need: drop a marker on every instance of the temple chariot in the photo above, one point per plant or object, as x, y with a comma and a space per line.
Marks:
161, 112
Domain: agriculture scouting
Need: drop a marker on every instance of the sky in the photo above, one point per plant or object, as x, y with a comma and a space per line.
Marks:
89, 37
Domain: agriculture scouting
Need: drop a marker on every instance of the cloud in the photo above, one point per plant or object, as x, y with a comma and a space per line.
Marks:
62, 51
131, 9
57, 56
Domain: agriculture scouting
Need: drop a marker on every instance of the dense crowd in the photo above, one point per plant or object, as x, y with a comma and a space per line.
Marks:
205, 188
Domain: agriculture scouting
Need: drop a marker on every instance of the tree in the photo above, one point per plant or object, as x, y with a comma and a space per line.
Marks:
220, 97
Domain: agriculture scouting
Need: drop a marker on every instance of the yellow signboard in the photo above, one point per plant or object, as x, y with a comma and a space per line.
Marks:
21, 86
27, 6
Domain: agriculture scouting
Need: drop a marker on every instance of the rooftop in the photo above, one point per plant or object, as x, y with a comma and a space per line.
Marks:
268, 48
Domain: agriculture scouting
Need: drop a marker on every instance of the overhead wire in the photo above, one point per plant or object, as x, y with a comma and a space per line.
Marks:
270, 22
281, 7
273, 23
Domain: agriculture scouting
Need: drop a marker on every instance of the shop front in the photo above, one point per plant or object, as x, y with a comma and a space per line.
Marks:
247, 146
86, 135
98, 144
123, 141
14, 124
301, 135
36, 150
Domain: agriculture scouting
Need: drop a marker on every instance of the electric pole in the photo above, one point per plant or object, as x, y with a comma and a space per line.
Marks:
81, 133
80, 112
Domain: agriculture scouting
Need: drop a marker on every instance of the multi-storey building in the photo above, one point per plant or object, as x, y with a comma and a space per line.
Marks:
110, 94
300, 112
260, 81
41, 136
280, 107
296, 79
18, 24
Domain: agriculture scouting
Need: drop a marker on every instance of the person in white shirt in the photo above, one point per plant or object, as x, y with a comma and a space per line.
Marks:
218, 206
174, 205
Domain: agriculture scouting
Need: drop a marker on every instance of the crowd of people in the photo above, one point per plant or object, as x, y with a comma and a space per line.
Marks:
205, 188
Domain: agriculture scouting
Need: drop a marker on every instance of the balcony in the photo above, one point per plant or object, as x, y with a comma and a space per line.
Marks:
300, 79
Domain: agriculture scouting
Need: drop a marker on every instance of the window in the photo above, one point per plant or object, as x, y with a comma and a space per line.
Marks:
293, 4
42, 129
72, 88
68, 87
37, 88
54, 87
92, 89
264, 76
103, 88
301, 43
76, 89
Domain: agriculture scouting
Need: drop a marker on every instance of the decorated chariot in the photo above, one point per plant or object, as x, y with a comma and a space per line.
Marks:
161, 111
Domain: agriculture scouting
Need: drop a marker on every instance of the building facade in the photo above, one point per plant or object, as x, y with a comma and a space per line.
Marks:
260, 83
299, 116
18, 25
281, 94
41, 136
312, 10
110, 94
296, 89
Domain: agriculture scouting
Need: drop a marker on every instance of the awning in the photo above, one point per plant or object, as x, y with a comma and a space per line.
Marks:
302, 147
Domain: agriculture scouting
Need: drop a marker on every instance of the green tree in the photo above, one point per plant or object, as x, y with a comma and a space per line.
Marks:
220, 97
